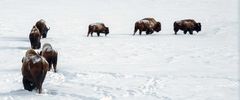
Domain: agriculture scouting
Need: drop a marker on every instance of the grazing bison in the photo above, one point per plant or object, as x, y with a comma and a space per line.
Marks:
34, 38
147, 24
34, 70
187, 25
41, 25
50, 55
98, 28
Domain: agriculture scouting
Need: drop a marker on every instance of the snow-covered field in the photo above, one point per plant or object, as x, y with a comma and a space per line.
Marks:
162, 66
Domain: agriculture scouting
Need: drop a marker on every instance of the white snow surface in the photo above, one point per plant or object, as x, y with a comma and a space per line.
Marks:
161, 66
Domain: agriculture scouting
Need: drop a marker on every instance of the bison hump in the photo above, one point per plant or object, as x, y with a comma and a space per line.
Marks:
35, 59
47, 47
31, 52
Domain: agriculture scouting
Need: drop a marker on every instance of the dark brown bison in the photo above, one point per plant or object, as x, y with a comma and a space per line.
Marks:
34, 38
34, 70
187, 25
147, 24
41, 25
98, 28
50, 55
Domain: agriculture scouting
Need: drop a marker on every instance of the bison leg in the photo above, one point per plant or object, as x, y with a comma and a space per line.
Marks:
176, 30
134, 33
190, 32
88, 34
55, 64
98, 34
28, 85
135, 30
39, 80
185, 31
147, 32
91, 34
140, 32
50, 64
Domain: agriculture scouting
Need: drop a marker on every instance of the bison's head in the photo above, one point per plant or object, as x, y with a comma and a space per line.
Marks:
45, 31
106, 30
198, 27
157, 27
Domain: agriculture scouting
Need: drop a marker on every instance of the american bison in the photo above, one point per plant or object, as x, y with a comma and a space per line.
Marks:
98, 28
34, 70
34, 38
50, 55
41, 25
187, 25
147, 24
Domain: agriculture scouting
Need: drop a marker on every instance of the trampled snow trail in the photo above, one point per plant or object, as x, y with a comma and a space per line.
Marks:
161, 66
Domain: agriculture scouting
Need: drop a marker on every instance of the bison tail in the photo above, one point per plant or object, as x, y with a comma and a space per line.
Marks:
89, 29
135, 28
174, 24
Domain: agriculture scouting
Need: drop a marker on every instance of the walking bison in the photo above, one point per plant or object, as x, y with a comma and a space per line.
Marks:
34, 70
50, 55
34, 38
187, 25
147, 24
41, 25
98, 28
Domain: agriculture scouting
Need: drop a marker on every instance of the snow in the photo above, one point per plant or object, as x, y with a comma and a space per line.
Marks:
161, 66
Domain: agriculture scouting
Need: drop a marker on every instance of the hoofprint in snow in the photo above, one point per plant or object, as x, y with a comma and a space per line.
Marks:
161, 66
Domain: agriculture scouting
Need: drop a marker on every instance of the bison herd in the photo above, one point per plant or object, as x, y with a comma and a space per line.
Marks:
36, 64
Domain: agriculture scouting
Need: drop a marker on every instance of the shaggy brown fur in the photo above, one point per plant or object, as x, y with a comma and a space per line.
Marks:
98, 28
50, 55
147, 24
41, 25
156, 25
34, 70
34, 38
187, 25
